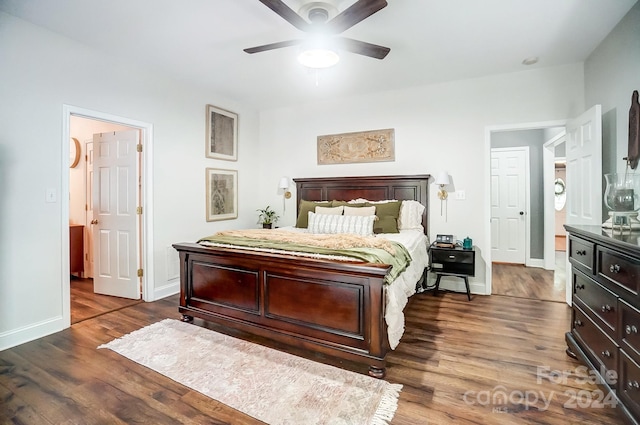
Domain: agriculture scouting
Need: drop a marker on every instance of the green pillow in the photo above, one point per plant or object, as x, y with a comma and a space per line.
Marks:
346, 204
387, 213
303, 211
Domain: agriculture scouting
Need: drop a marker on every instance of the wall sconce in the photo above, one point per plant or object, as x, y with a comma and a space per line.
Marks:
443, 180
284, 185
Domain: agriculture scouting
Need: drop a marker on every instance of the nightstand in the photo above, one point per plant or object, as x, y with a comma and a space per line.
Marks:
453, 262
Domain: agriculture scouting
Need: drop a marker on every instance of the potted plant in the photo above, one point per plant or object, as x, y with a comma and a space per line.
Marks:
267, 217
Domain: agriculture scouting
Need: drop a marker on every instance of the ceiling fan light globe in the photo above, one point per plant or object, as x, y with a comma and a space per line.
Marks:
318, 58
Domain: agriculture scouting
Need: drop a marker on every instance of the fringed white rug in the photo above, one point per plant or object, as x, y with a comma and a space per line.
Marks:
272, 386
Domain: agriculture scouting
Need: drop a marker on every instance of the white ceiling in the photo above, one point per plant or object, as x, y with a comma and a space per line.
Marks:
431, 41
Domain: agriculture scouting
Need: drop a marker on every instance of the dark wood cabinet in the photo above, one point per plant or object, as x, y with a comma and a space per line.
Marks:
605, 327
454, 261
76, 248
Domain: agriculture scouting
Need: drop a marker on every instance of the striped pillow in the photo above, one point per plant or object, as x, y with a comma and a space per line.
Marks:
332, 224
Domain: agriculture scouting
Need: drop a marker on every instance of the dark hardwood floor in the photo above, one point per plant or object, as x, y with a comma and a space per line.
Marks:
454, 361
516, 280
86, 304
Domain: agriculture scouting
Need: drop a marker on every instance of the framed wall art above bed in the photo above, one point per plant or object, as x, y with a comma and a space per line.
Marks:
222, 194
222, 134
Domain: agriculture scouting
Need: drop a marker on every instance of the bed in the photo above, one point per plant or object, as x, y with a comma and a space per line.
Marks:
321, 305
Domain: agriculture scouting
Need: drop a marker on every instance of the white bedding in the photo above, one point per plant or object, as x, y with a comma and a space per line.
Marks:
404, 286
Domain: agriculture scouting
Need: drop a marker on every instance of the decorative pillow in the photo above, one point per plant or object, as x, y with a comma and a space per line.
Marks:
303, 211
345, 203
358, 210
329, 210
333, 224
387, 213
411, 215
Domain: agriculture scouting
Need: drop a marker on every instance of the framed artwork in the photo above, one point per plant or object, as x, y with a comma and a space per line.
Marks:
222, 134
362, 146
222, 194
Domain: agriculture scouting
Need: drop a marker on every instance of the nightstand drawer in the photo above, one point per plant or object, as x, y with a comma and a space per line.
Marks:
452, 256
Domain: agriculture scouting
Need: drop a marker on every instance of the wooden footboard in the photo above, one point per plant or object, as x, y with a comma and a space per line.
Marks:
324, 306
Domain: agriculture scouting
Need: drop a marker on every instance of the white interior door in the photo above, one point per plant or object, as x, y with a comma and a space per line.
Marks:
584, 174
115, 231
509, 204
88, 237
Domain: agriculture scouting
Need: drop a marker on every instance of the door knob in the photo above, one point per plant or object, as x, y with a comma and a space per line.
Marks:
94, 221
521, 212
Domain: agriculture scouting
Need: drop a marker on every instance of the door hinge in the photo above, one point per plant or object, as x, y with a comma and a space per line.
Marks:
139, 147
139, 210
86, 207
140, 273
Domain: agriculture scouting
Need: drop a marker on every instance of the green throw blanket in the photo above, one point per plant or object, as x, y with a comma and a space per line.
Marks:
398, 261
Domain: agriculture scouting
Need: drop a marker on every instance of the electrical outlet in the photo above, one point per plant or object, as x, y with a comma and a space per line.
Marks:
460, 195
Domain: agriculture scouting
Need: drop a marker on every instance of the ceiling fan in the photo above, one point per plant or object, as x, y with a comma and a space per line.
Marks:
320, 26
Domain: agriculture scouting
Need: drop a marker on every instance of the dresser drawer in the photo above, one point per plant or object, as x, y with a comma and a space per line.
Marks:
629, 383
619, 269
602, 349
599, 300
629, 327
581, 252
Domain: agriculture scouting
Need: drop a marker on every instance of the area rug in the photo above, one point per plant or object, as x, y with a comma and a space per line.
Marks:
275, 387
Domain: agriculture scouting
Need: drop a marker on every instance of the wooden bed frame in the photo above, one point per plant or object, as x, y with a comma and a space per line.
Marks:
331, 307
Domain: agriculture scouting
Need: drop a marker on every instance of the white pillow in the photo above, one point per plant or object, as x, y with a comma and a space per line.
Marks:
329, 210
362, 201
410, 215
332, 224
359, 210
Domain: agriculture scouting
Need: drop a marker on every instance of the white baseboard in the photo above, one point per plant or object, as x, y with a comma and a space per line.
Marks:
171, 288
535, 262
28, 333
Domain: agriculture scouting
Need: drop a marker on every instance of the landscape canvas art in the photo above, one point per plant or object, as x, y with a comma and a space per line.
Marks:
363, 146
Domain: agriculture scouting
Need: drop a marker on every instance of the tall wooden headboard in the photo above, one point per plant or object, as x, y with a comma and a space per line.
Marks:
373, 188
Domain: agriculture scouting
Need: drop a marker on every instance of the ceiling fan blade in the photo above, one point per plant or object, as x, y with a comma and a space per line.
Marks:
362, 48
287, 14
273, 46
355, 13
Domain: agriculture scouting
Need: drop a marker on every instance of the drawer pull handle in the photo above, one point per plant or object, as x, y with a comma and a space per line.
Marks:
577, 323
606, 353
583, 252
629, 329
633, 385
606, 308
614, 268
581, 286
452, 256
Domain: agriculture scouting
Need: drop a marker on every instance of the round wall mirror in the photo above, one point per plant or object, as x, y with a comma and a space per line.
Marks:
560, 191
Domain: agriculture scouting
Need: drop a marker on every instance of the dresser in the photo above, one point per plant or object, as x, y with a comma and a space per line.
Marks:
76, 249
605, 328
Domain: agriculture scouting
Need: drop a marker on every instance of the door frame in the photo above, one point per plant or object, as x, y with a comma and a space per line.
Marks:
146, 241
488, 131
549, 176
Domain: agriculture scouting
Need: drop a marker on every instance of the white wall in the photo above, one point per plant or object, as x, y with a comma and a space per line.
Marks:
612, 73
40, 72
437, 127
